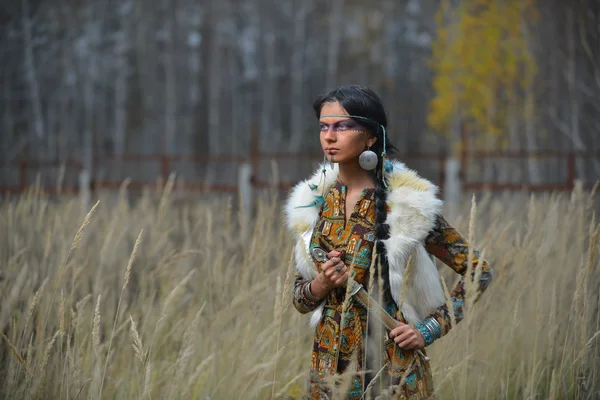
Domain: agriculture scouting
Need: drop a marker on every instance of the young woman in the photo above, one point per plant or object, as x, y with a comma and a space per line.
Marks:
363, 217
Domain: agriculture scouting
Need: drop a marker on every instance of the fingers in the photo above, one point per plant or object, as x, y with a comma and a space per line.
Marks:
330, 264
332, 273
341, 277
334, 270
407, 341
406, 337
333, 277
333, 253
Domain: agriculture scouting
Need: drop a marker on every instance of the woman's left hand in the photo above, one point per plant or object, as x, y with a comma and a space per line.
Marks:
407, 337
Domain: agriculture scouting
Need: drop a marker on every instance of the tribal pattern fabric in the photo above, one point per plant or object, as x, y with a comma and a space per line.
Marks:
338, 347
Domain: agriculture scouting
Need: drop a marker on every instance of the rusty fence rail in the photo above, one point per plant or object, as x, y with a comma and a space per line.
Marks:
165, 163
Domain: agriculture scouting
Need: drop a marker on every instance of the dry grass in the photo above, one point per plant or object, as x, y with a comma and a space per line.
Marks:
199, 306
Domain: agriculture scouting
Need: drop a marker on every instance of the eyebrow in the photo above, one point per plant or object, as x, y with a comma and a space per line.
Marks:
337, 122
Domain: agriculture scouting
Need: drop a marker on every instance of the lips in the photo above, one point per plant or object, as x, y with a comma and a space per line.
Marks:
331, 150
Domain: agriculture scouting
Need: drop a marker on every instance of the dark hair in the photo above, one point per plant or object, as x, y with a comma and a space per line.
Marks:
363, 102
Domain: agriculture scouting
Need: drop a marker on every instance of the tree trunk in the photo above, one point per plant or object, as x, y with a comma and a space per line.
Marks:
298, 128
6, 152
268, 115
32, 81
533, 168
335, 36
170, 79
89, 72
214, 81
146, 71
508, 171
194, 43
121, 89
573, 91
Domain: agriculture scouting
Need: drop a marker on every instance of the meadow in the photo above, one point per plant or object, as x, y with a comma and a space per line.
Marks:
160, 298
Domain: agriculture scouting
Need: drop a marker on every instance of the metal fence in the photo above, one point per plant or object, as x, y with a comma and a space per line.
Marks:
62, 176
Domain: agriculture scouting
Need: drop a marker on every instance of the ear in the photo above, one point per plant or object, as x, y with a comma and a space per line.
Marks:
371, 141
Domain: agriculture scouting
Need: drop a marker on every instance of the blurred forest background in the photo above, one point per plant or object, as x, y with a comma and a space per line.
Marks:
86, 81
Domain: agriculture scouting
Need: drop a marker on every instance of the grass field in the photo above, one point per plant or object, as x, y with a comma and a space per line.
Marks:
161, 299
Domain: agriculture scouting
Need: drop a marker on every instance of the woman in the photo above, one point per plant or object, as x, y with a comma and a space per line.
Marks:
363, 217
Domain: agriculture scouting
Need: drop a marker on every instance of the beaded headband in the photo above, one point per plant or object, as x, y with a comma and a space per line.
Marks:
386, 165
383, 152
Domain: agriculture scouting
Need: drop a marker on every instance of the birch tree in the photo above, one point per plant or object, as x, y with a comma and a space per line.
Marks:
478, 61
299, 14
30, 68
193, 15
335, 32
170, 80
200, 77
215, 75
121, 47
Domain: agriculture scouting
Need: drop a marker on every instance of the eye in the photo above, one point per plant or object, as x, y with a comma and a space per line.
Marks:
344, 126
323, 127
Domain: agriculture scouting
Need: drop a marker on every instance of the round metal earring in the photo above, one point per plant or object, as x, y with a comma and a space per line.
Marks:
368, 160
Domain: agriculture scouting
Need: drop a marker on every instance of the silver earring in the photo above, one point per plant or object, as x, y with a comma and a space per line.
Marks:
368, 160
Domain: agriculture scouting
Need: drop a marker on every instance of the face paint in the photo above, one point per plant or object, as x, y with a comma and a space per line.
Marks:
345, 125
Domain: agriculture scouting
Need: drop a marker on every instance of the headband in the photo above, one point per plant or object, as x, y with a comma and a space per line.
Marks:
386, 165
383, 152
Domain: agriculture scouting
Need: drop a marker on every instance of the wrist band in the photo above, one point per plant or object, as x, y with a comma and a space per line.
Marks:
430, 329
309, 294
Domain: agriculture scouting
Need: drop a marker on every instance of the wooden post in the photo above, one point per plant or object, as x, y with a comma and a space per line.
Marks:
247, 171
255, 152
463, 155
245, 194
452, 185
84, 191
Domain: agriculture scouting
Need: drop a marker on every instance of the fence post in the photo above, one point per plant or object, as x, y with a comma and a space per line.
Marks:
254, 153
245, 194
84, 191
452, 185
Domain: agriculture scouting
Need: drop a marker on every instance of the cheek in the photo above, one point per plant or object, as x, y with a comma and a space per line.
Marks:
357, 145
322, 141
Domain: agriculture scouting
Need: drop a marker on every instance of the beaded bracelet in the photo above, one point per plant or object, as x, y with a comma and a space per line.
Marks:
425, 332
430, 329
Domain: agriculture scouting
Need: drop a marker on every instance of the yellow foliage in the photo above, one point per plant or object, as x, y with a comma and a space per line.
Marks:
482, 64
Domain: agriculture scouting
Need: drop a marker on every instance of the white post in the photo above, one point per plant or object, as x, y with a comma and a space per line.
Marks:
452, 185
84, 191
245, 194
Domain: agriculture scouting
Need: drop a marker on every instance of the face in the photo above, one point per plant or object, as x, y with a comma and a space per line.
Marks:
342, 139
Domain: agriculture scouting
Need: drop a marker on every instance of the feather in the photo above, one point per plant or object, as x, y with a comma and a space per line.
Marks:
388, 167
318, 202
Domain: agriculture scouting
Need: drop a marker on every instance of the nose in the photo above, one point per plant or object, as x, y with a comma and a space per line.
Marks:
330, 135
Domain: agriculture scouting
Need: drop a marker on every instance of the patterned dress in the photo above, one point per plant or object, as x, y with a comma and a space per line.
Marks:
338, 346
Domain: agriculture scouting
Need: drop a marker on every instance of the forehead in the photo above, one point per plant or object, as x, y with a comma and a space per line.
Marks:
332, 108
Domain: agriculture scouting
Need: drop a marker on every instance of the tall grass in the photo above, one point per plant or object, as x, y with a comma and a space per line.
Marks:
198, 305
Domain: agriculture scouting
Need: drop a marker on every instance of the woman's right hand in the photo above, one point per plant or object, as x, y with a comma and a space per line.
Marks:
330, 278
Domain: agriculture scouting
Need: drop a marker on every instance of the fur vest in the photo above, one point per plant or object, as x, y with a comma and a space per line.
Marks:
413, 209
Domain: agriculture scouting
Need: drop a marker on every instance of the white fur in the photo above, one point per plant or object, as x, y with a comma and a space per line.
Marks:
303, 195
412, 216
